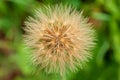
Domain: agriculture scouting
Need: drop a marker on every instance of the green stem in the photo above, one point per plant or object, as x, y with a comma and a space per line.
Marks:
63, 77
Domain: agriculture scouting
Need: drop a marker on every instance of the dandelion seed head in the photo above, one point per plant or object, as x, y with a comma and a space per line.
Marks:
61, 38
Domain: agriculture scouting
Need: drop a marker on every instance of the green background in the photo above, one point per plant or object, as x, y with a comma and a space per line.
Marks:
105, 16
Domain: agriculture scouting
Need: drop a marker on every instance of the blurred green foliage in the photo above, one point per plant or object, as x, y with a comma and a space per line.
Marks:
105, 16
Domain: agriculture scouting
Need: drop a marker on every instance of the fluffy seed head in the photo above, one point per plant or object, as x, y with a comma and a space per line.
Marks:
61, 38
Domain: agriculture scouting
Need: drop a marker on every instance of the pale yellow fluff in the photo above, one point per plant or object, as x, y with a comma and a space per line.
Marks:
61, 38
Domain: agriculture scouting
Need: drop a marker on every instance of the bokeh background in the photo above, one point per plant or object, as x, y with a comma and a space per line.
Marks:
105, 16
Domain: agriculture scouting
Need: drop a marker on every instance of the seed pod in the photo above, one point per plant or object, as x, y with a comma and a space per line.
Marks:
61, 38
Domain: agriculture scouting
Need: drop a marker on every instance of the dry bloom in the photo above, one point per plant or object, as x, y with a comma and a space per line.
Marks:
60, 37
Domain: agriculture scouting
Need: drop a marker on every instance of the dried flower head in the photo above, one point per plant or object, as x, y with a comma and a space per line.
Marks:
60, 37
